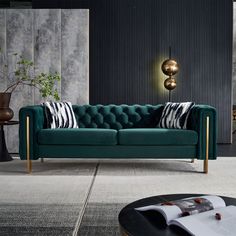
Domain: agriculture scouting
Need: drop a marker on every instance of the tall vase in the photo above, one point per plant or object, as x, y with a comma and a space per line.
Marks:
6, 113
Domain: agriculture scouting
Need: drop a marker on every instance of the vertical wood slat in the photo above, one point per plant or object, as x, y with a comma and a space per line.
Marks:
127, 37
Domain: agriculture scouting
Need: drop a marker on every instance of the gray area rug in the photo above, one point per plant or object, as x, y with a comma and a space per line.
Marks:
38, 219
119, 183
56, 199
48, 202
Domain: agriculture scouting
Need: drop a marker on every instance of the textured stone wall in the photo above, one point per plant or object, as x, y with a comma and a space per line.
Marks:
56, 40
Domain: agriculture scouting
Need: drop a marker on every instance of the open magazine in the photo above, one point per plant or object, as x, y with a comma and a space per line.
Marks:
199, 216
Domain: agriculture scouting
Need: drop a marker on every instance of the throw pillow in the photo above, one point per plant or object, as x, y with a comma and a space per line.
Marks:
60, 115
175, 115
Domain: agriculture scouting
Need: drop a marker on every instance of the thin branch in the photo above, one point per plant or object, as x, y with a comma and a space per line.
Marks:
14, 86
32, 85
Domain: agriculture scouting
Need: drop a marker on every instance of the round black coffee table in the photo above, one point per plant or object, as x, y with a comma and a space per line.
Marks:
135, 223
4, 154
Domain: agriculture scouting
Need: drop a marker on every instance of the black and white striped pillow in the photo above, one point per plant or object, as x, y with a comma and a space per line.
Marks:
175, 115
60, 115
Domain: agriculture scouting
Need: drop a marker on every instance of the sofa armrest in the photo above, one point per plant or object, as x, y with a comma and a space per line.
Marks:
197, 121
36, 122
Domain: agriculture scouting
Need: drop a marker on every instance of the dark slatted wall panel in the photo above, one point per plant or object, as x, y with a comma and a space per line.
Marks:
130, 38
67, 4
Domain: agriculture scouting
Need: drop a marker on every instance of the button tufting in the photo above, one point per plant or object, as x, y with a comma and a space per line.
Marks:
114, 116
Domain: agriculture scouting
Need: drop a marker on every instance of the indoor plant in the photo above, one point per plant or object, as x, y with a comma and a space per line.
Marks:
23, 74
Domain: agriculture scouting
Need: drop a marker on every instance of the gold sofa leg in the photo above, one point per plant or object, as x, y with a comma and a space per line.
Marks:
29, 163
42, 160
192, 161
207, 146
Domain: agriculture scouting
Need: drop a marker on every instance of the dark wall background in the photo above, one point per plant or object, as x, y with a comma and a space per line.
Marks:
129, 39
61, 3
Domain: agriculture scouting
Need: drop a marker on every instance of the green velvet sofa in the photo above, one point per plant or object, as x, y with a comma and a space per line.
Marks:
118, 131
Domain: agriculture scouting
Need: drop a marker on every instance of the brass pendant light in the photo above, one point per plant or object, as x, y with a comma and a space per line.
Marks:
170, 67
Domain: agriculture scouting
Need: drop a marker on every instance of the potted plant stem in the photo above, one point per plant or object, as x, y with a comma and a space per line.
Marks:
24, 75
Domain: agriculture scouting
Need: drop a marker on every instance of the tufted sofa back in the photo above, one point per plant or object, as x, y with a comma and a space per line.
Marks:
117, 116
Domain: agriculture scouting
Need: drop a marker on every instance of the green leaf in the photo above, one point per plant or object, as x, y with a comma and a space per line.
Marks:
45, 82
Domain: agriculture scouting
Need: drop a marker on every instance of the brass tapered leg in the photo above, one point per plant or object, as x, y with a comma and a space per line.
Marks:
42, 160
192, 161
29, 163
207, 146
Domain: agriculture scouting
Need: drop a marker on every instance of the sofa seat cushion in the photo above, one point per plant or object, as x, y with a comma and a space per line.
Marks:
157, 136
81, 136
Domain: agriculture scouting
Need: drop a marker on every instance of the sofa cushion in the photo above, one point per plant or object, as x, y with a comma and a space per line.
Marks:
157, 137
175, 115
81, 136
118, 116
59, 115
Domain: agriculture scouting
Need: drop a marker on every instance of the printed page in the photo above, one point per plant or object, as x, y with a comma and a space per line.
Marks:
169, 212
206, 224
185, 207
216, 201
